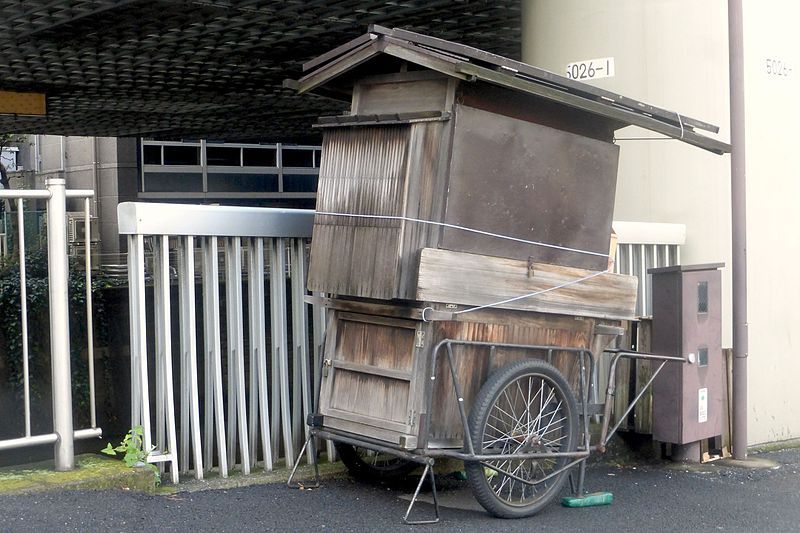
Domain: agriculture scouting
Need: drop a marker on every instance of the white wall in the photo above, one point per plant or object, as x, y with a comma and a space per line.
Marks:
772, 117
674, 54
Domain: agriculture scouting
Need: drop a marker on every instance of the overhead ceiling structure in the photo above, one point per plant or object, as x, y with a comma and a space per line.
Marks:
204, 68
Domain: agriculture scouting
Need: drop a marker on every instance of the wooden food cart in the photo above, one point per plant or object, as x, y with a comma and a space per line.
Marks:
461, 242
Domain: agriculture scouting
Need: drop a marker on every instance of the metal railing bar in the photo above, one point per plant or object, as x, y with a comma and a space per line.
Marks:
172, 441
139, 323
280, 350
237, 401
162, 343
300, 334
189, 350
139, 218
214, 351
263, 397
134, 336
47, 438
254, 332
23, 299
183, 265
89, 312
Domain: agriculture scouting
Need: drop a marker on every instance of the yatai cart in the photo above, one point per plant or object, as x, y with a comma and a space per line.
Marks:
461, 249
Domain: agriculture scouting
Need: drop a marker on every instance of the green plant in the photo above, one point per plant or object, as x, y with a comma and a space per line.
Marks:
132, 446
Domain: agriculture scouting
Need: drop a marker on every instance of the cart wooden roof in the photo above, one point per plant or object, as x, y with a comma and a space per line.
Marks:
471, 64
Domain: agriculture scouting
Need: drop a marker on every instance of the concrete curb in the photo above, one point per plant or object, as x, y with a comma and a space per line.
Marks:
92, 472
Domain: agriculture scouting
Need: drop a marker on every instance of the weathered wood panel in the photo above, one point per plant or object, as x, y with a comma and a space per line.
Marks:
375, 397
405, 92
532, 182
471, 279
363, 172
474, 364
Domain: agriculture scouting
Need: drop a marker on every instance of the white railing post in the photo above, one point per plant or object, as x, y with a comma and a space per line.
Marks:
58, 273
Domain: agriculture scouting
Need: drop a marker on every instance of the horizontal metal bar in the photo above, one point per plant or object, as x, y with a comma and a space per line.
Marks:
644, 355
25, 194
453, 454
80, 193
160, 457
138, 218
43, 194
90, 433
23, 442
47, 438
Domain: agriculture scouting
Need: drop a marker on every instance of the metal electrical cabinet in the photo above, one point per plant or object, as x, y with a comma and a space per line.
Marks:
688, 399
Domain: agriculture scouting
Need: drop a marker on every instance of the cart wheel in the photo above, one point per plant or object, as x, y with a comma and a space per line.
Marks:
370, 466
524, 407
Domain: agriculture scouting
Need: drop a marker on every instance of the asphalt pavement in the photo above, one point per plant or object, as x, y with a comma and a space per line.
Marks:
647, 497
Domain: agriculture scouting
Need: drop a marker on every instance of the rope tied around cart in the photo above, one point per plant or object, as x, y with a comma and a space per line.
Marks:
489, 234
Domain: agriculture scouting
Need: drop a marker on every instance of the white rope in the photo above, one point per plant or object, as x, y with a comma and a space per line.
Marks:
680, 121
464, 228
481, 232
532, 294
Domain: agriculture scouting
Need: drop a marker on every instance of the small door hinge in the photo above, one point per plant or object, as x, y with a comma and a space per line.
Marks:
420, 343
326, 364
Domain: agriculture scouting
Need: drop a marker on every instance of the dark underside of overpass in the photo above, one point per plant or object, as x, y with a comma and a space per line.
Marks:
204, 68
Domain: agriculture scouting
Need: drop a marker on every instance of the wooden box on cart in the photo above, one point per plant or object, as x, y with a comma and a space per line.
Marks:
379, 356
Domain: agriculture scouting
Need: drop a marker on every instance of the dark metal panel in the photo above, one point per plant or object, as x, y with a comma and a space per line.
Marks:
681, 326
528, 181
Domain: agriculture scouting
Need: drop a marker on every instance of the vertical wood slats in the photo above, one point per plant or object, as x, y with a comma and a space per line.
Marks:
364, 172
235, 436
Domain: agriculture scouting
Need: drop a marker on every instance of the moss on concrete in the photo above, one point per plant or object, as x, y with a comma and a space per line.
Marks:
92, 472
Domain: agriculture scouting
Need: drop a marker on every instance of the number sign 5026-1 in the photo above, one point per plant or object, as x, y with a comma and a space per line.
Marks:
591, 69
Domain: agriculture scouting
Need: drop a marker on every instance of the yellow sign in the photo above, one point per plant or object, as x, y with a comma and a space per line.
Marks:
14, 103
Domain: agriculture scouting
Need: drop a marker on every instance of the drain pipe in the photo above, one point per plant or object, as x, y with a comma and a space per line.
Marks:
738, 227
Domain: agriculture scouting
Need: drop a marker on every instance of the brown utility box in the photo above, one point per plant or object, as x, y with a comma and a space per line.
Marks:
426, 146
688, 399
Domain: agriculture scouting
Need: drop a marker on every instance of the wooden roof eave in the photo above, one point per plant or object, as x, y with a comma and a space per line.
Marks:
348, 61
365, 52
623, 116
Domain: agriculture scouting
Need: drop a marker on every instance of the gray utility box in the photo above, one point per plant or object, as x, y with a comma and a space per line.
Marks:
688, 399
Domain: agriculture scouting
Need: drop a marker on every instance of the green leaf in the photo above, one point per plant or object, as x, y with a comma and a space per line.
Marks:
109, 450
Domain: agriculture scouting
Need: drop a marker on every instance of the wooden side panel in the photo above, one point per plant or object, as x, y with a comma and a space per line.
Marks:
363, 172
368, 378
474, 364
376, 397
471, 279
524, 180
389, 343
427, 183
408, 93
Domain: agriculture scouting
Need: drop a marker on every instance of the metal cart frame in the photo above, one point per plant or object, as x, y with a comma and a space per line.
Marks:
427, 456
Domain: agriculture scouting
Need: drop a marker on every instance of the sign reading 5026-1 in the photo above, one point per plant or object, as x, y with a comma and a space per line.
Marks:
591, 69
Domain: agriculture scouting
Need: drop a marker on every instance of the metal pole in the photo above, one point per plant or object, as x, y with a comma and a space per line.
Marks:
59, 323
23, 300
738, 228
89, 322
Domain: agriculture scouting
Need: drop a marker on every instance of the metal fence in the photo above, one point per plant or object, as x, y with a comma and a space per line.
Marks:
55, 195
256, 253
645, 245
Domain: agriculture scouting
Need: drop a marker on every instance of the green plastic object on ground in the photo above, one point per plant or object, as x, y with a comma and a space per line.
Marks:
588, 500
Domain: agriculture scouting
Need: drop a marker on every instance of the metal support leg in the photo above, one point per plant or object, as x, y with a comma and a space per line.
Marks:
312, 446
427, 472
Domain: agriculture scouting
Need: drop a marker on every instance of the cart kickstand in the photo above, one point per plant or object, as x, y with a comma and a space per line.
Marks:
290, 483
428, 470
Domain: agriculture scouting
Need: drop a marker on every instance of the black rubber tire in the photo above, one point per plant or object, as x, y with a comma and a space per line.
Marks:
560, 407
388, 470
